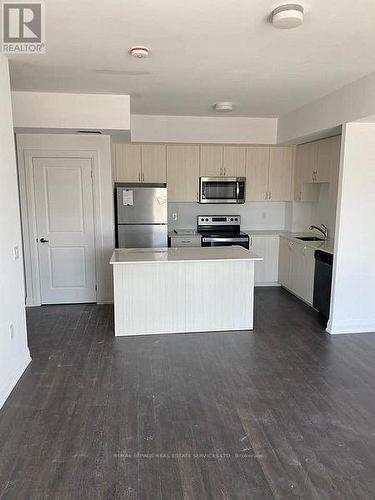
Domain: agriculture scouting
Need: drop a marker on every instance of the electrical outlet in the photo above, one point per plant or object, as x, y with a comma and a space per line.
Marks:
16, 253
11, 331
174, 216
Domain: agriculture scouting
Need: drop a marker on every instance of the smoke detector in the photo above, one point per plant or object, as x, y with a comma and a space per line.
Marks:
287, 16
223, 106
139, 52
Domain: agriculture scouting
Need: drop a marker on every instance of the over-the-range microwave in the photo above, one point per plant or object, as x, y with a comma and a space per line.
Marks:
222, 190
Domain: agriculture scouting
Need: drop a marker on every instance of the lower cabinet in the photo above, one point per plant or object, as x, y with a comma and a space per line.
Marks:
266, 270
296, 268
285, 260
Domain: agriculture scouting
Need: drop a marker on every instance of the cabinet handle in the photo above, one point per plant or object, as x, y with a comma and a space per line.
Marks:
225, 171
221, 171
143, 177
269, 195
139, 177
266, 196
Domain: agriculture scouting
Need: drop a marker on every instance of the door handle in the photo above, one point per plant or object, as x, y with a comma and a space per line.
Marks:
42, 240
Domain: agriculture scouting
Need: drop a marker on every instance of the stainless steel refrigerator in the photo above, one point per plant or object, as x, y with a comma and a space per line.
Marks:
141, 215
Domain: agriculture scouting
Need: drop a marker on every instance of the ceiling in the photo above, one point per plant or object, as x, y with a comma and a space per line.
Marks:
202, 52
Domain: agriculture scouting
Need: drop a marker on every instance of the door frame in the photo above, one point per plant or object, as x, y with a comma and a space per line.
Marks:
28, 216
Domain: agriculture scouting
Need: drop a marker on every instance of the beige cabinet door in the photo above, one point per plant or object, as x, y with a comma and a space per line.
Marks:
324, 159
308, 274
280, 174
211, 161
305, 164
285, 256
297, 284
127, 162
267, 247
309, 165
154, 163
234, 161
257, 164
183, 173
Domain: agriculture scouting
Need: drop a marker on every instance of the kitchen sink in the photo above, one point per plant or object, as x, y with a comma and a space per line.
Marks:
309, 238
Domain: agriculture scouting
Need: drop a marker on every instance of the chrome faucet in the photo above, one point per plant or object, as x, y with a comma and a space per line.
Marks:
322, 229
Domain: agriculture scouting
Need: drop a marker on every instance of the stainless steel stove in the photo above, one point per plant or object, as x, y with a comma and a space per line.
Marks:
221, 230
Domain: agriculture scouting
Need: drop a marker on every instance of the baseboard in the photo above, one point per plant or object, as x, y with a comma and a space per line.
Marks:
267, 284
8, 386
352, 326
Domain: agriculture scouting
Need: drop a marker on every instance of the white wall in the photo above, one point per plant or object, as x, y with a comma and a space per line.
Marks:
64, 112
99, 149
351, 102
203, 129
14, 353
254, 216
353, 297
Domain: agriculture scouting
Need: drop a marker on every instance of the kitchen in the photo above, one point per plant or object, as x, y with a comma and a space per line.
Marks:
187, 200
213, 190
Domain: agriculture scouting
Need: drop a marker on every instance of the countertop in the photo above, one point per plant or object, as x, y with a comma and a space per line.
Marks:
325, 245
181, 254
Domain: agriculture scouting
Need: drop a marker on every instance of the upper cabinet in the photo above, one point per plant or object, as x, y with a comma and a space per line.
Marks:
316, 162
183, 172
211, 161
140, 163
269, 173
257, 166
280, 177
222, 161
154, 163
127, 162
234, 158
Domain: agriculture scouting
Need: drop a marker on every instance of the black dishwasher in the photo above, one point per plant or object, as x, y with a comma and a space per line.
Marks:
322, 282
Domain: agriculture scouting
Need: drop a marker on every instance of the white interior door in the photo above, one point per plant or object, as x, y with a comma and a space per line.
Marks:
65, 229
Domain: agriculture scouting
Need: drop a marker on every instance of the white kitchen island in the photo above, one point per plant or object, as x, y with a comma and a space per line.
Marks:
179, 290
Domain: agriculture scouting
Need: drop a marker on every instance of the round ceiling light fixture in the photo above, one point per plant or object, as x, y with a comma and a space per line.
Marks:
287, 16
224, 106
139, 52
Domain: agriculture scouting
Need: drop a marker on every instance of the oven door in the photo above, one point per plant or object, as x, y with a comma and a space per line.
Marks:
208, 241
222, 190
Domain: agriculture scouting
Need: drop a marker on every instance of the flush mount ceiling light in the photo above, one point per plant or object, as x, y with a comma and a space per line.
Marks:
223, 106
139, 52
287, 16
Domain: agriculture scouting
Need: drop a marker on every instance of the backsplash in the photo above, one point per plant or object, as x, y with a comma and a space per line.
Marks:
255, 216
299, 216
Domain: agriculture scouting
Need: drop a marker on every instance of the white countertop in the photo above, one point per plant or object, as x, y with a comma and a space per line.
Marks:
181, 254
325, 245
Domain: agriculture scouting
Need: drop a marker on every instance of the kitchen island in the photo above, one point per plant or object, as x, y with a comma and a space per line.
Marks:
180, 290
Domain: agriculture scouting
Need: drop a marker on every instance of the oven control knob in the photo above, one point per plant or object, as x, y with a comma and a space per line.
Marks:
231, 219
206, 220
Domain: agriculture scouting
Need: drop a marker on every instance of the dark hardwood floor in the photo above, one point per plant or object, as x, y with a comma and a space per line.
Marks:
284, 412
